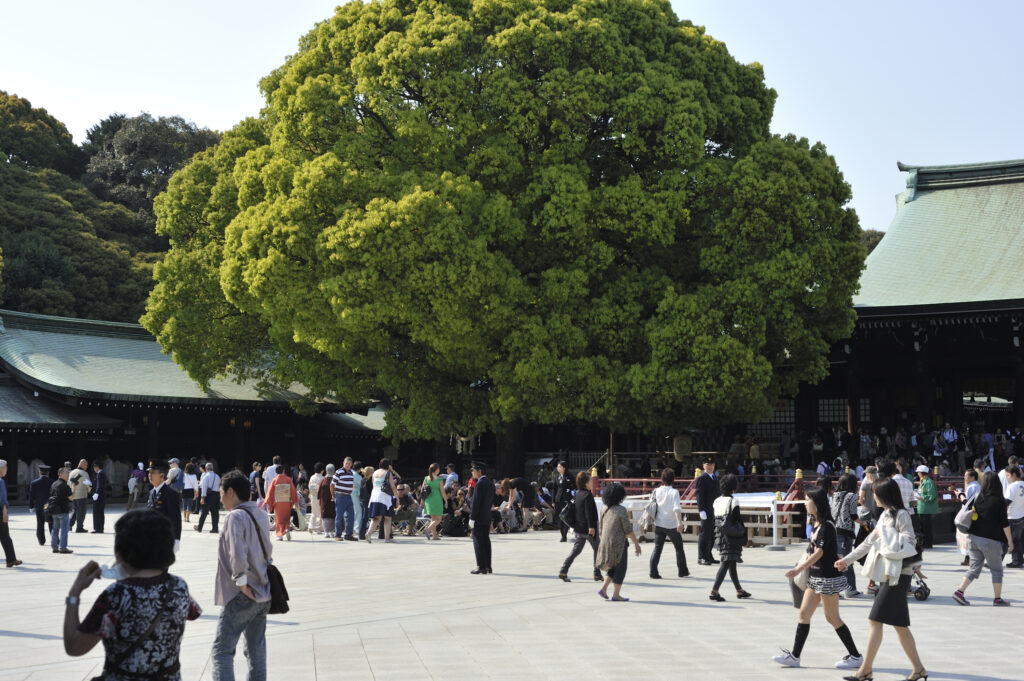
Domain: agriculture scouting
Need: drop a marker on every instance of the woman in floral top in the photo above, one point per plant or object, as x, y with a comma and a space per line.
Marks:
141, 617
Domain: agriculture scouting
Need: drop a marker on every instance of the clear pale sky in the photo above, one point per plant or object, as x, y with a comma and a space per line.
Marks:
920, 82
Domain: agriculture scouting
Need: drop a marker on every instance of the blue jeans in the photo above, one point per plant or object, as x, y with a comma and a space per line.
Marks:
241, 615
343, 511
59, 533
357, 507
845, 545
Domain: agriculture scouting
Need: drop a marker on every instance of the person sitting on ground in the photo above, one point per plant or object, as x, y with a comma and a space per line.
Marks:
144, 597
406, 509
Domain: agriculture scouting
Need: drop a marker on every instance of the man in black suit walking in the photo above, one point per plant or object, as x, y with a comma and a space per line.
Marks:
38, 494
163, 499
99, 497
480, 520
707, 492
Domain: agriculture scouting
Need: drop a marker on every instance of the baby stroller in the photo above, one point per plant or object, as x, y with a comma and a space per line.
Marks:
920, 587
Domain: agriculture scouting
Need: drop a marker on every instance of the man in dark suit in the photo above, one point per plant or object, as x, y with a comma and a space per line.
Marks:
480, 519
163, 499
707, 492
38, 494
99, 497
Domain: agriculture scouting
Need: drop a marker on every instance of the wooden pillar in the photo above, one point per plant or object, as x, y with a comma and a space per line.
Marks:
853, 394
925, 392
152, 436
240, 442
1018, 390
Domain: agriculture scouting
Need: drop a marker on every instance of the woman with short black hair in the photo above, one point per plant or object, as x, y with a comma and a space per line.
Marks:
890, 606
987, 539
613, 549
843, 505
668, 524
584, 524
140, 617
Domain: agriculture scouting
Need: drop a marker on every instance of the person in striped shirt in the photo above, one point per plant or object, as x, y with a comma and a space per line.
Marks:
341, 487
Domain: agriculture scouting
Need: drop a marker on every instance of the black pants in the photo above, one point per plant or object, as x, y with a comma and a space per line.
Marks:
562, 527
577, 548
482, 544
5, 541
98, 508
660, 535
706, 539
730, 567
926, 530
78, 514
41, 523
211, 505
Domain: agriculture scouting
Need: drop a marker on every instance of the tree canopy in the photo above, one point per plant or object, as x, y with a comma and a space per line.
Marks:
132, 158
32, 138
487, 211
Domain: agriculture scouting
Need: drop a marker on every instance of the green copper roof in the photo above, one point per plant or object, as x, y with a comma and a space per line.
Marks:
107, 361
24, 408
958, 237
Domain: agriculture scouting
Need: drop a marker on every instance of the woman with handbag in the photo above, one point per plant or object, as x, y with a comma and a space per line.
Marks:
987, 538
584, 524
885, 564
140, 617
613, 549
668, 524
381, 500
434, 499
731, 536
824, 583
843, 505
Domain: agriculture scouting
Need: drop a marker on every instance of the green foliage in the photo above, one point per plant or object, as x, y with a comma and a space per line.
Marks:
66, 252
869, 238
546, 210
131, 159
32, 138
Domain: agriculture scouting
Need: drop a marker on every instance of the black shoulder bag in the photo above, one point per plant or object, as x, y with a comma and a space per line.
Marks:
278, 592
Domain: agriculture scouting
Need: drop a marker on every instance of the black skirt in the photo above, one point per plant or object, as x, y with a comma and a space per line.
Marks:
891, 604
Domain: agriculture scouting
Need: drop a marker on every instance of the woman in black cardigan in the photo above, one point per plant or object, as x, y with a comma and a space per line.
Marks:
584, 524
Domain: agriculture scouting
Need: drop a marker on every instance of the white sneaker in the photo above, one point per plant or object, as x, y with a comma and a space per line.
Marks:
787, 659
849, 662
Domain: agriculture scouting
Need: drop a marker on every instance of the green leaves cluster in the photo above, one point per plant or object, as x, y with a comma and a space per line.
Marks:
491, 210
69, 251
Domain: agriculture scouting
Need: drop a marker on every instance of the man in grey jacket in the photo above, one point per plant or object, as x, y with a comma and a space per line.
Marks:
241, 587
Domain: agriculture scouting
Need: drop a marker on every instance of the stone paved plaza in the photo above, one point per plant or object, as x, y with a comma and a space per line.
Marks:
411, 610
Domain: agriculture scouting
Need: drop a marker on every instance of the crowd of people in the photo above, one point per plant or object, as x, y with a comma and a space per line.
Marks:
878, 518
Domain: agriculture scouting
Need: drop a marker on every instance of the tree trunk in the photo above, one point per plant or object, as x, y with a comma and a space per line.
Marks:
511, 461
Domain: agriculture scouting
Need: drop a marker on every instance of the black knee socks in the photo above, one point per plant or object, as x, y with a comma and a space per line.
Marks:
801, 637
846, 637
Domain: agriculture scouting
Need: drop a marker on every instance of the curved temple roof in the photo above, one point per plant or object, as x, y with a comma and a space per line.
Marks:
957, 240
107, 361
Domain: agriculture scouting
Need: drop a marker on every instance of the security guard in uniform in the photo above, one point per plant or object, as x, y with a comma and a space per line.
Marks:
163, 499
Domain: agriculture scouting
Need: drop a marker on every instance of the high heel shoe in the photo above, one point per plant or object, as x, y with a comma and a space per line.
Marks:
742, 594
564, 577
919, 674
866, 677
715, 596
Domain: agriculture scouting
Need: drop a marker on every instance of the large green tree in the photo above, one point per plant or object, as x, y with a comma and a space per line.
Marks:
32, 138
130, 160
489, 211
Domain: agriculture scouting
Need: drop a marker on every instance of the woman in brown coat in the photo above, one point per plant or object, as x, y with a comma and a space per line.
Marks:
613, 550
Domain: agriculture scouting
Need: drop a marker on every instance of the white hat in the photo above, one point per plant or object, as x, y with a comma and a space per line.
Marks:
922, 469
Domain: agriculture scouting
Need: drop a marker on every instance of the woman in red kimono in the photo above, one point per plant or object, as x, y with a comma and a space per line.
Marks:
281, 496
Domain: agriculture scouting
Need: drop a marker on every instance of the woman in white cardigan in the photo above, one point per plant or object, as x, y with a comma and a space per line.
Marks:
890, 541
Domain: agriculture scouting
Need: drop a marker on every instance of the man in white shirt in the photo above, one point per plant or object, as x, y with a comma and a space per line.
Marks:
906, 486
668, 524
1011, 461
271, 471
1015, 512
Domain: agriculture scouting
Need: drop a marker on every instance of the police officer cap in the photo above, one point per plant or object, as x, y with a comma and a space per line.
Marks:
159, 465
